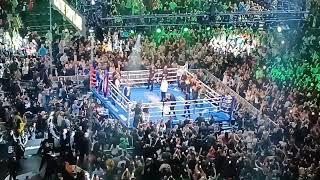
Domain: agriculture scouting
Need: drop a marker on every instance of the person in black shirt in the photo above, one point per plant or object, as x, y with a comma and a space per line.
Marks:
40, 126
46, 148
183, 79
77, 140
84, 124
65, 141
165, 71
137, 115
20, 106
187, 106
12, 166
2, 113
102, 139
51, 168
172, 99
187, 109
200, 119
84, 151
127, 91
151, 77
71, 96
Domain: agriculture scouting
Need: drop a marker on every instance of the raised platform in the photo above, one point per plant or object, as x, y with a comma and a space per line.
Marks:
139, 93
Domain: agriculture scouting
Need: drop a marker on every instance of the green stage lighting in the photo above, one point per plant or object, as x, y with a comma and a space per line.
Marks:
132, 31
158, 30
185, 29
208, 28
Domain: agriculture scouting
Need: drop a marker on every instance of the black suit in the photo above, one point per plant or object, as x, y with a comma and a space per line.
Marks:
173, 103
187, 109
12, 166
137, 116
151, 78
127, 92
2, 114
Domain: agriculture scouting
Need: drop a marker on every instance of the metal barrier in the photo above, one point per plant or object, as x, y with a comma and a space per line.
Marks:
118, 96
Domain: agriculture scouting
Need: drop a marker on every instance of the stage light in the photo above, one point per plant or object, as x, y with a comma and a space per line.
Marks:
282, 42
279, 29
185, 29
93, 2
264, 67
158, 30
132, 31
208, 28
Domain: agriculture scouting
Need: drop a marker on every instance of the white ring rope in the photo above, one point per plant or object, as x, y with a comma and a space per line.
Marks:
143, 81
180, 103
113, 87
172, 70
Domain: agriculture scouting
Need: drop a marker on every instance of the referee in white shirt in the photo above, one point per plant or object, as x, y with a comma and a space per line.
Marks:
164, 88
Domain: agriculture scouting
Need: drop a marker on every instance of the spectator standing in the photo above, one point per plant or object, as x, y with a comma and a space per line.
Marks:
42, 51
151, 77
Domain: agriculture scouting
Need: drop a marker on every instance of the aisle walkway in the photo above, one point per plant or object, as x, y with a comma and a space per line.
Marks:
28, 167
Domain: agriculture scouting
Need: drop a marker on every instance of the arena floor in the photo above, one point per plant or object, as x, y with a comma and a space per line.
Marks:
141, 94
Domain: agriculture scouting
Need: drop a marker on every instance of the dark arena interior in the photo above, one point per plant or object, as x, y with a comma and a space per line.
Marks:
159, 89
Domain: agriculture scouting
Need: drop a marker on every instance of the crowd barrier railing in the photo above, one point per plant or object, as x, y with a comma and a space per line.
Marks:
140, 76
245, 104
118, 96
74, 78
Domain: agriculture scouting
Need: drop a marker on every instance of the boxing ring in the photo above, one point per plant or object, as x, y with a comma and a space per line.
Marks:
209, 103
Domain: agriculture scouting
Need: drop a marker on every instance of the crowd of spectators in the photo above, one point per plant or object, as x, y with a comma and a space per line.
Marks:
136, 7
294, 113
270, 148
256, 148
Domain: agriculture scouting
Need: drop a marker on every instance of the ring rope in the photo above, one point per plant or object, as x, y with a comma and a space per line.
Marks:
217, 101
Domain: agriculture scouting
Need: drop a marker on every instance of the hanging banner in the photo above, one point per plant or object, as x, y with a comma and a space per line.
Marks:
93, 79
72, 15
